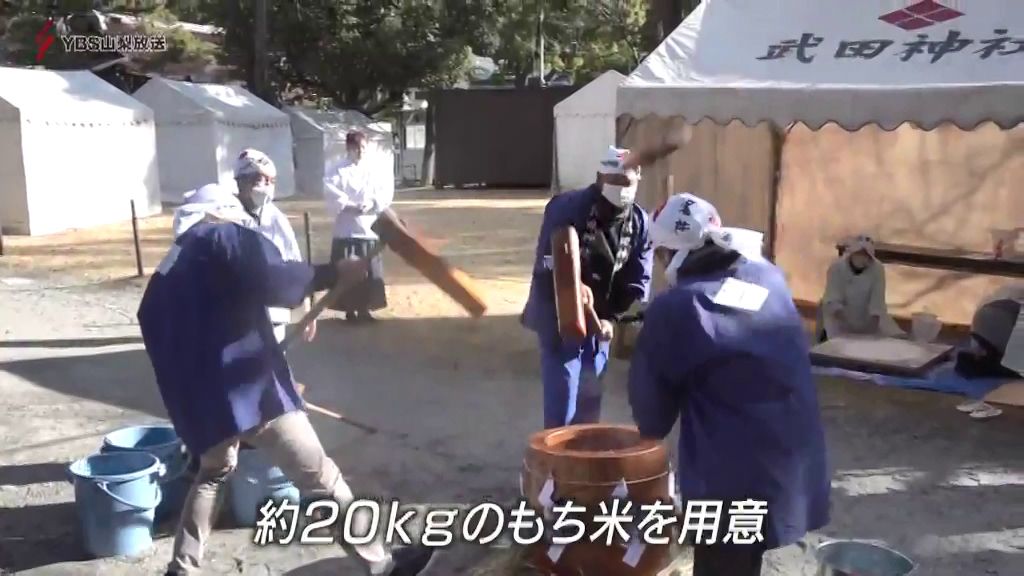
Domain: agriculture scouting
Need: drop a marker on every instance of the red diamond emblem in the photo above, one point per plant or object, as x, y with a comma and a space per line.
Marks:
924, 7
920, 15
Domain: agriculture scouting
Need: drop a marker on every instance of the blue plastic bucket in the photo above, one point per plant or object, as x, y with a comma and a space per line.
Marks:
116, 496
254, 482
163, 442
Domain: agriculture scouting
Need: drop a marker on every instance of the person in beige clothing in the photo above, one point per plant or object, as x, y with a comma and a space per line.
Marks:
854, 300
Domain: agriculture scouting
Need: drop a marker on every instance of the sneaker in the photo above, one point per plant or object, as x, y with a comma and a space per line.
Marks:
970, 406
366, 317
411, 561
985, 412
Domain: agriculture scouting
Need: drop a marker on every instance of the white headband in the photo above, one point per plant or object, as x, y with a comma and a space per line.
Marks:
613, 161
252, 161
684, 223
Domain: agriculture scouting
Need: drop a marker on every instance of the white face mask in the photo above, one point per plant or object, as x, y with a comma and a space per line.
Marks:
262, 194
619, 195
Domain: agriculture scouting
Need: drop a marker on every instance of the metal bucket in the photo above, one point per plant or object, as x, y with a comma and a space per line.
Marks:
853, 558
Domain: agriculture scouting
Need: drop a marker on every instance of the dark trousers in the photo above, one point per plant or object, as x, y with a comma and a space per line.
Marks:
368, 295
728, 560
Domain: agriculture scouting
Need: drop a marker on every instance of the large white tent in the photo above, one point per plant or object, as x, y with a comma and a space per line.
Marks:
320, 142
201, 129
584, 128
882, 62
815, 120
74, 151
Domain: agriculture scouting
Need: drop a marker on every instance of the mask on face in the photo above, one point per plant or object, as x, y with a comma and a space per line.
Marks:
262, 194
619, 195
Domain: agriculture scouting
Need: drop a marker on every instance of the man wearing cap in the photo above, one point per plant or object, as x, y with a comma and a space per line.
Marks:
616, 261
723, 351
256, 177
224, 378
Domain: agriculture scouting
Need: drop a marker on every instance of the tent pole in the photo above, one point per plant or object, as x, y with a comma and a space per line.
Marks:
135, 238
778, 140
309, 237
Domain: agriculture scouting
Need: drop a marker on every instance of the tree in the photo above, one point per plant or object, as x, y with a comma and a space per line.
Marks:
30, 18
582, 37
361, 54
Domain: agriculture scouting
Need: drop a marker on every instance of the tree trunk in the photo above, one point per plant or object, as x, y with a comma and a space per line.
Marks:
428, 144
259, 69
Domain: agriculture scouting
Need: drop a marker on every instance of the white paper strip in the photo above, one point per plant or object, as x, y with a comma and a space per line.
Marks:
546, 492
634, 552
555, 552
621, 490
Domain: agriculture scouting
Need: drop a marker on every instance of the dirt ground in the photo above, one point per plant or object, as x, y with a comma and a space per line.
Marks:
454, 398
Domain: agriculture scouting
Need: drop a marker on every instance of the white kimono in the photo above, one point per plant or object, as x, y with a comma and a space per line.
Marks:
275, 226
349, 185
852, 302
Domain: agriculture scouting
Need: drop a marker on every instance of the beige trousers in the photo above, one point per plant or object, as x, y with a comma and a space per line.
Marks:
291, 444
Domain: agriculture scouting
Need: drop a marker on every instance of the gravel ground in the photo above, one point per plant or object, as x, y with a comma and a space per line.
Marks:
455, 400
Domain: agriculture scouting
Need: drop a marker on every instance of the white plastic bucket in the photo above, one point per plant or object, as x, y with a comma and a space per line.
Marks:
749, 243
925, 327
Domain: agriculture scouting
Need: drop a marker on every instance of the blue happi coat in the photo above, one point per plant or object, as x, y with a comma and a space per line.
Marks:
206, 330
571, 370
740, 383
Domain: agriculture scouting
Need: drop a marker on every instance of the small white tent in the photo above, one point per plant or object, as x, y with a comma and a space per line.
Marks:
320, 142
201, 129
584, 129
74, 151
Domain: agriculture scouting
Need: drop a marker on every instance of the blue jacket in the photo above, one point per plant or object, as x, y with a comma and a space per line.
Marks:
741, 385
204, 322
632, 283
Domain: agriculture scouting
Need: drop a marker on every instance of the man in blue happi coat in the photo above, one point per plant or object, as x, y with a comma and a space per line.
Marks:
724, 351
223, 375
616, 261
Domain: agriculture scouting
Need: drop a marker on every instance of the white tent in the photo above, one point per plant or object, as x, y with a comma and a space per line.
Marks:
584, 128
320, 142
74, 151
201, 129
814, 120
881, 62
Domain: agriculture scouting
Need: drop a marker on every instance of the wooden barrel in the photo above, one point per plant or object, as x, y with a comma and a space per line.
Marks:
586, 463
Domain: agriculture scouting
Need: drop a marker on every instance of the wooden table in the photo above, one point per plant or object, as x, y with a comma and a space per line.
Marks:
946, 259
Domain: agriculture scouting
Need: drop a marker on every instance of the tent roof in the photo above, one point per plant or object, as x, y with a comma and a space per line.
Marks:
228, 104
597, 98
937, 61
78, 97
338, 123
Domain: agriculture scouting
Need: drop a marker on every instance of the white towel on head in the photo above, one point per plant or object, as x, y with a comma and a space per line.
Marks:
683, 224
613, 161
210, 200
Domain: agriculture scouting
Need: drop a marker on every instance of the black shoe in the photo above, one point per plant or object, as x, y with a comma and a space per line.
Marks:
365, 316
411, 561
351, 316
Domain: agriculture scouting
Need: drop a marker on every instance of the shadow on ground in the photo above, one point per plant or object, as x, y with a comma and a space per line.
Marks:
36, 536
456, 399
